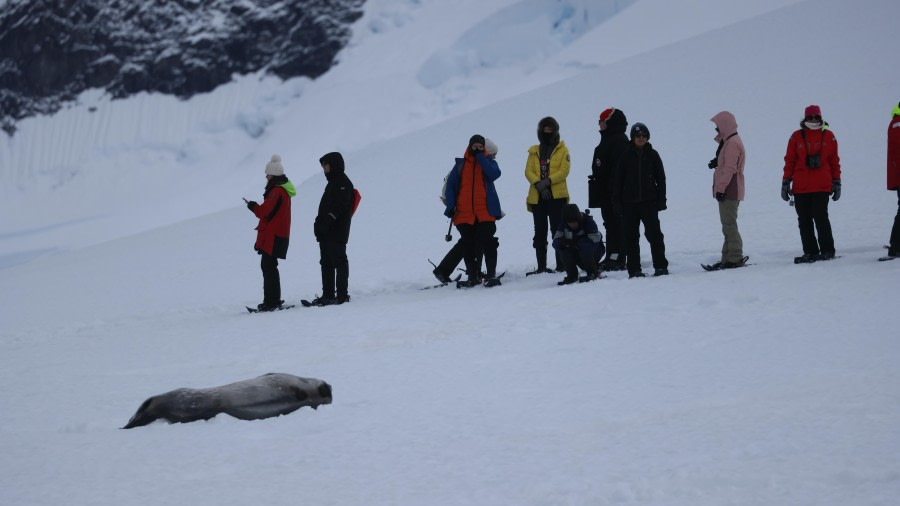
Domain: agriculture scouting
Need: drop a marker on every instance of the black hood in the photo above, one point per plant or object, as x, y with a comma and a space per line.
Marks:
548, 139
335, 161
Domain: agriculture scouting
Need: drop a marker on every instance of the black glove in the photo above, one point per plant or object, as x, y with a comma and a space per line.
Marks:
661, 205
713, 163
252, 205
836, 190
543, 187
786, 189
720, 196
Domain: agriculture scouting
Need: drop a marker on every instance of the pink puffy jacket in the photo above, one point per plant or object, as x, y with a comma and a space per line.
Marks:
729, 175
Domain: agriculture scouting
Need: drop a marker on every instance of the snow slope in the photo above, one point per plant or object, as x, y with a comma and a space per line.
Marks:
774, 384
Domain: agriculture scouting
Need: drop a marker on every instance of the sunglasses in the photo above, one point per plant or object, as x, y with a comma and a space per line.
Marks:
640, 136
813, 118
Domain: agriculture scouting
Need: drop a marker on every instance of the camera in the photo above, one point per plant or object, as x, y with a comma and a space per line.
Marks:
814, 161
713, 163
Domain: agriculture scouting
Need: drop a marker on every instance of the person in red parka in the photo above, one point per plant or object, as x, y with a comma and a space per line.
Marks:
893, 176
273, 231
812, 172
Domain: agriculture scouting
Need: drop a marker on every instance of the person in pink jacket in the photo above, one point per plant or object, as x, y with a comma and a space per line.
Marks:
728, 187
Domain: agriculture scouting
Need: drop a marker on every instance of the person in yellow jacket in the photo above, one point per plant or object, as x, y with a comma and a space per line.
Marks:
546, 170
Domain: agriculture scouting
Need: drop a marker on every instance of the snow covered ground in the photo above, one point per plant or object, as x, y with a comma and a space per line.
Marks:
126, 257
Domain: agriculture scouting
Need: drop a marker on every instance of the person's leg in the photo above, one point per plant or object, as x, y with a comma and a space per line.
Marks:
569, 258
612, 223
654, 235
803, 204
733, 247
632, 229
823, 224
341, 264
540, 215
555, 217
327, 266
469, 240
488, 245
452, 259
895, 231
271, 280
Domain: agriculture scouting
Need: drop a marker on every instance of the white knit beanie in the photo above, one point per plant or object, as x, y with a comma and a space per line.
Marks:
490, 147
274, 167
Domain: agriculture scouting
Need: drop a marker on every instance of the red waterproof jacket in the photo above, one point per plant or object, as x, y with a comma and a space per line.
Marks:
893, 154
812, 142
274, 215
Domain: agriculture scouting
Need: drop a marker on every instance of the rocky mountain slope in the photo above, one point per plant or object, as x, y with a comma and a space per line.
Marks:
52, 50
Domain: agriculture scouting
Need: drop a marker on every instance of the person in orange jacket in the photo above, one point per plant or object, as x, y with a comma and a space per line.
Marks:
812, 172
893, 176
273, 231
474, 205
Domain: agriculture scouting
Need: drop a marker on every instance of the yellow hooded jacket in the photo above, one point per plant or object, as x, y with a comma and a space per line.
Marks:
559, 171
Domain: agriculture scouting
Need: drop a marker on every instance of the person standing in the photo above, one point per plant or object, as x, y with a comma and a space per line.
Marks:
474, 205
580, 244
456, 254
546, 170
273, 231
332, 230
812, 172
893, 176
639, 194
613, 142
728, 187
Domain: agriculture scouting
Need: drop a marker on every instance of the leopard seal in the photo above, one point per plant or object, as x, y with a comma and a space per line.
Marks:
269, 395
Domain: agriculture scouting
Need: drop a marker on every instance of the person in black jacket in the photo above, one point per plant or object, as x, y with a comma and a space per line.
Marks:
332, 229
638, 194
580, 244
613, 142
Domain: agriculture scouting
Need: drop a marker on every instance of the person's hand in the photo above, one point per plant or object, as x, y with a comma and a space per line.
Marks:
252, 205
720, 196
786, 190
661, 205
543, 184
836, 190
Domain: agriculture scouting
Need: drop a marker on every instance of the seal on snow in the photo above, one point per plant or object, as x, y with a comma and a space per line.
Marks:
269, 395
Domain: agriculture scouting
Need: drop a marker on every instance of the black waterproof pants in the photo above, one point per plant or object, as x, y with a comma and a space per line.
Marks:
546, 212
648, 214
612, 223
895, 231
335, 268
271, 279
575, 257
812, 217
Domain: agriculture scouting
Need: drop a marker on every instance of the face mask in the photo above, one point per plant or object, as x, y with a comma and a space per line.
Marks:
812, 125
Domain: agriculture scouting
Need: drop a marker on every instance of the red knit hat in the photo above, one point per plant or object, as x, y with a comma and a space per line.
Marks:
812, 110
604, 116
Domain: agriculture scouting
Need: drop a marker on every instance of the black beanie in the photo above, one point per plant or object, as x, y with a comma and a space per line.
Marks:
640, 128
571, 213
476, 139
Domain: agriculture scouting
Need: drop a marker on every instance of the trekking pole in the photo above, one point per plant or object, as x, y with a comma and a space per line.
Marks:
449, 236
